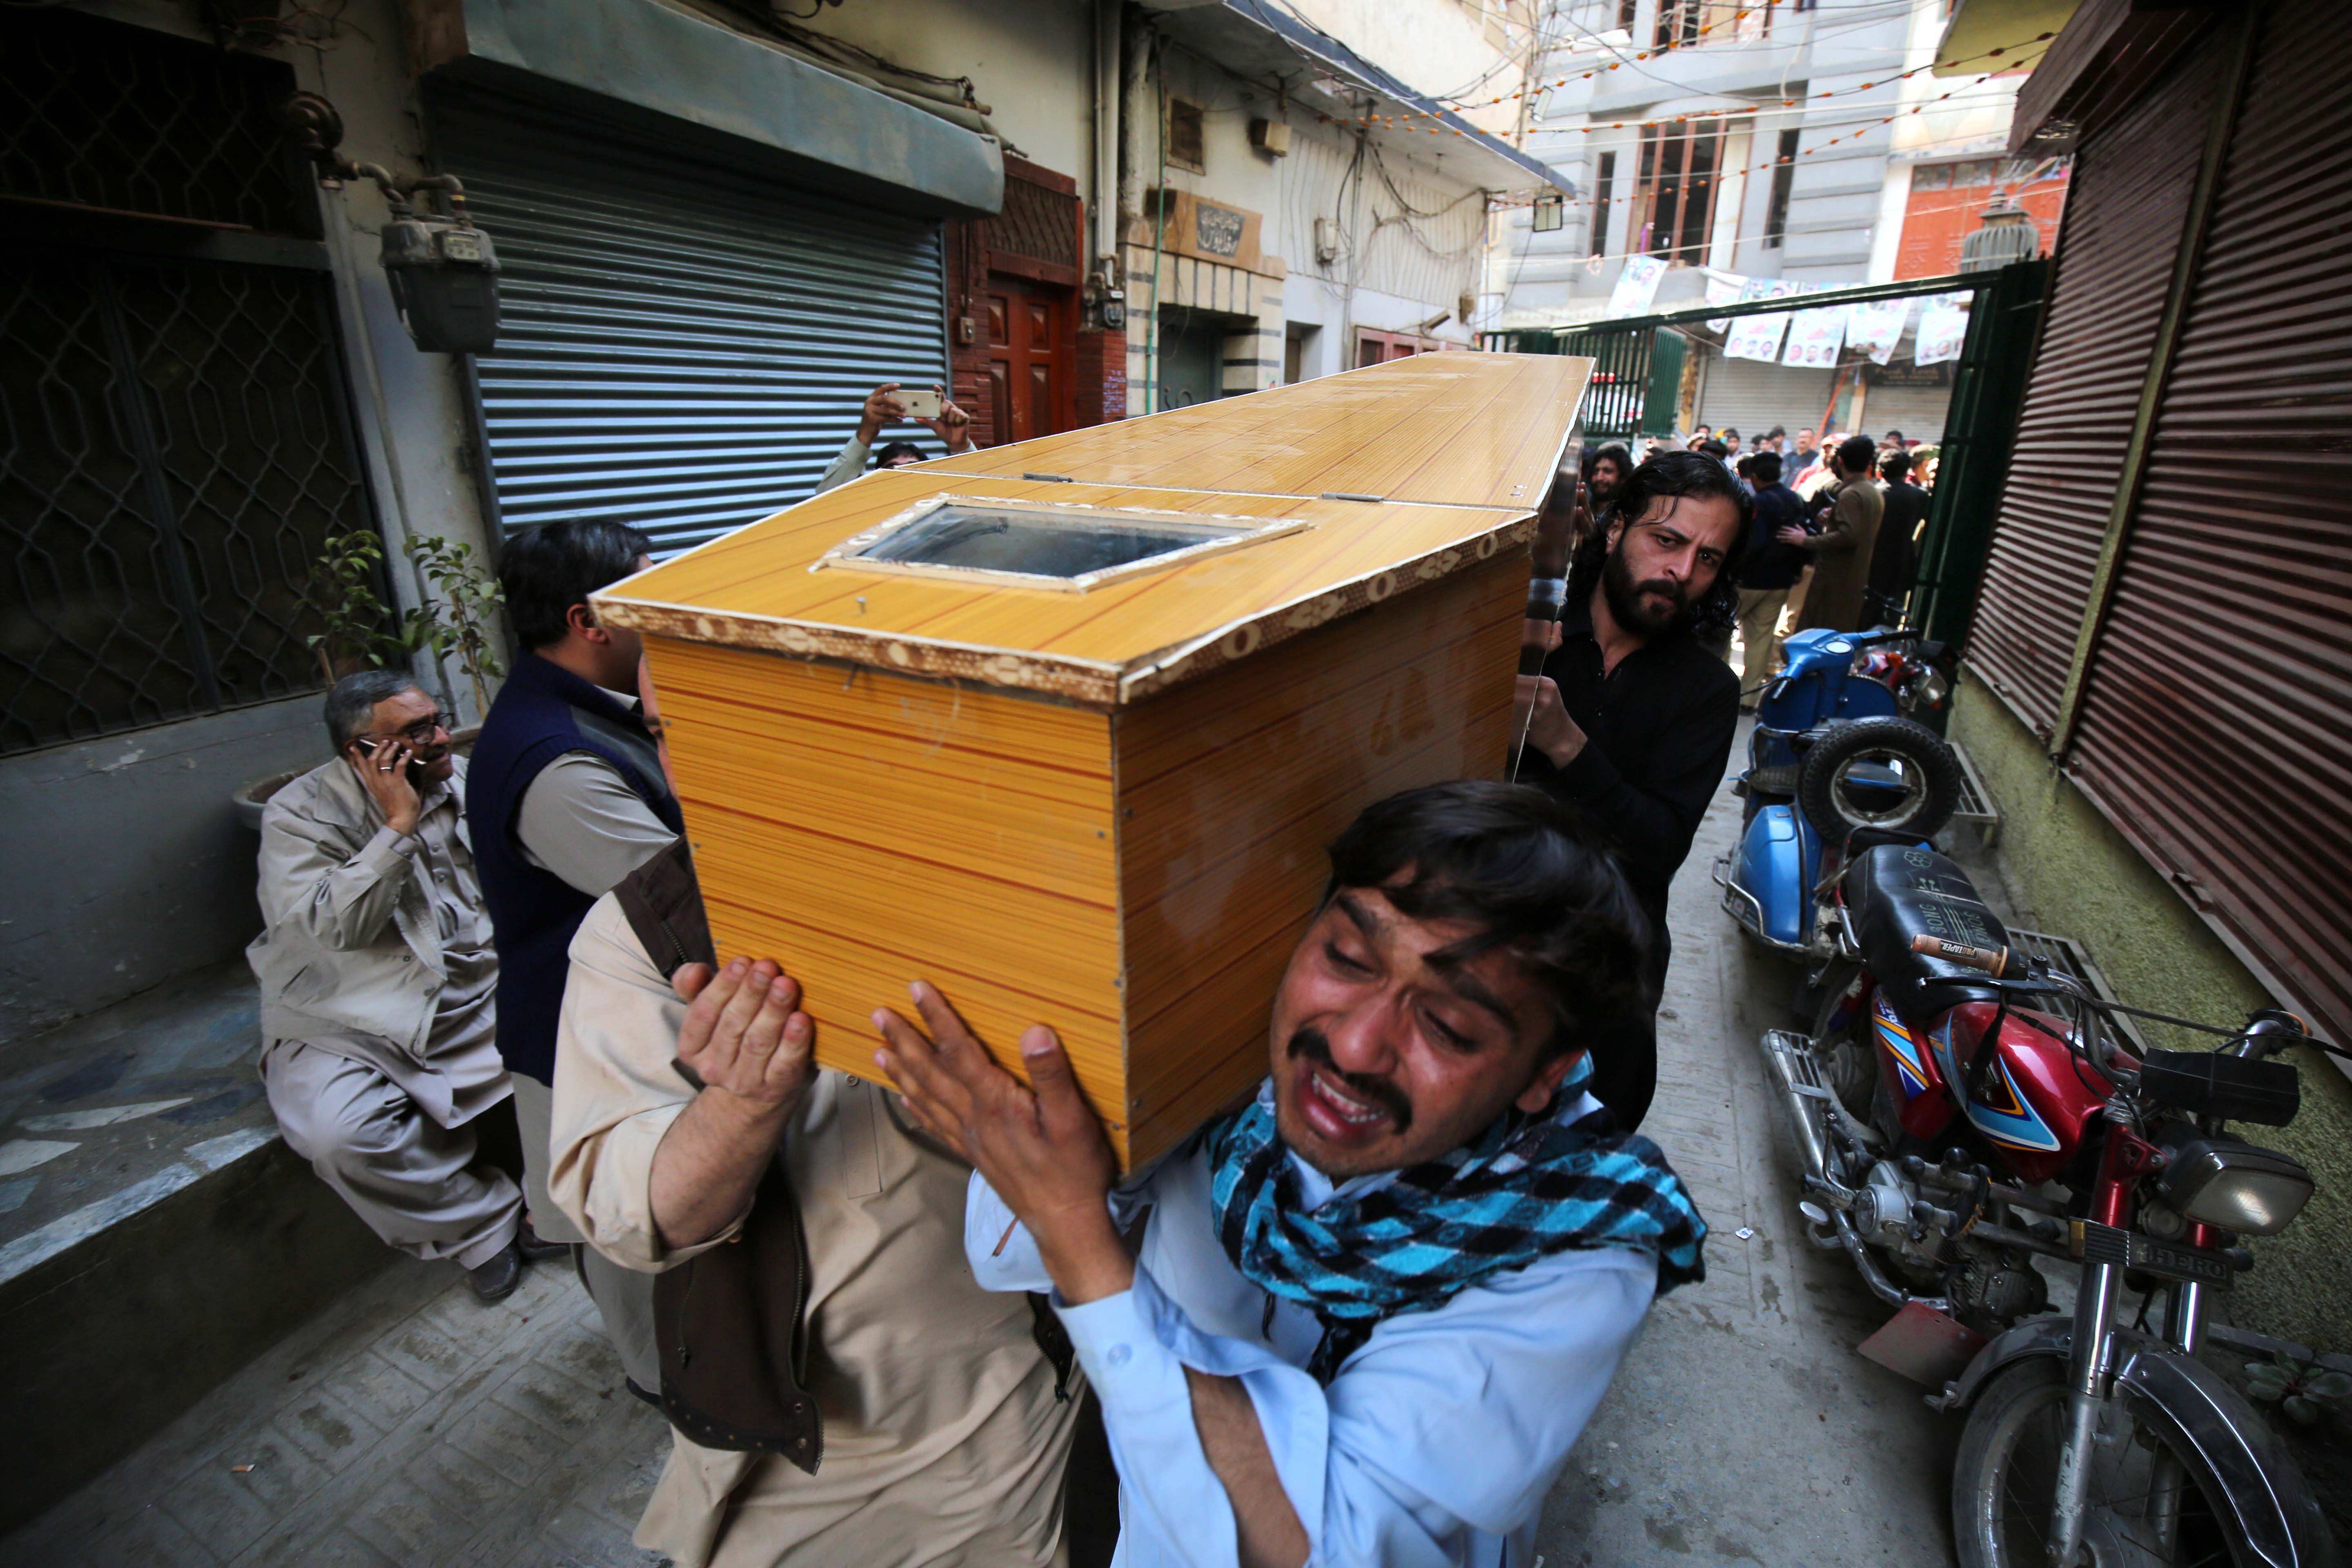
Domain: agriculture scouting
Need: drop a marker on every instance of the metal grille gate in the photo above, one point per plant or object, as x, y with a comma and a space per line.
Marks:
174, 439
682, 348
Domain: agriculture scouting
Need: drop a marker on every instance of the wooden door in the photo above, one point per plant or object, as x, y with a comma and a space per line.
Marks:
1031, 357
1374, 347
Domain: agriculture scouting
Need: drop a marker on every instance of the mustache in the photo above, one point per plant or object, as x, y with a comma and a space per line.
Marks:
1309, 1045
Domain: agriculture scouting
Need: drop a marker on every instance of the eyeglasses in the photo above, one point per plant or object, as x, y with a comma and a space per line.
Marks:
420, 733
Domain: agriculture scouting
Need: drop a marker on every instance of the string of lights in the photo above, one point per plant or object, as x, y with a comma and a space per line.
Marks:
1399, 120
1692, 183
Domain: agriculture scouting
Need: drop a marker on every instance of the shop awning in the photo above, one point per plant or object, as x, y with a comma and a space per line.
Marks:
693, 73
1261, 39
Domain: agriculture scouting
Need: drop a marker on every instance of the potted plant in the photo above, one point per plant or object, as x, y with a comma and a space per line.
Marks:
357, 632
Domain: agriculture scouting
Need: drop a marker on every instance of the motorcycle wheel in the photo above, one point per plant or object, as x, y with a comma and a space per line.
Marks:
2004, 1476
1883, 773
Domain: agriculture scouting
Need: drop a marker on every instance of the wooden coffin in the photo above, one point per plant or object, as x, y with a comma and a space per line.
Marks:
1100, 800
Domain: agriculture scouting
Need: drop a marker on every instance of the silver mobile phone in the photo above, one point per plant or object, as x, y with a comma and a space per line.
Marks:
920, 402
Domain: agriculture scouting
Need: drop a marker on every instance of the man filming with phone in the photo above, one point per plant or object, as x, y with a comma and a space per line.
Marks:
887, 404
378, 1020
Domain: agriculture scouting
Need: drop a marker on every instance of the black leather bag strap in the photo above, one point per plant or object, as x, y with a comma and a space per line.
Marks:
664, 903
730, 1324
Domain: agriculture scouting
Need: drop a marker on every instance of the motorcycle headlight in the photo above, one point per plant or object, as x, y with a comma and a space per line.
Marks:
1934, 689
2216, 1180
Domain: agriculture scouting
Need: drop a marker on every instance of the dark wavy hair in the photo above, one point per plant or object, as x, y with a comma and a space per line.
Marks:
1672, 475
1521, 867
544, 571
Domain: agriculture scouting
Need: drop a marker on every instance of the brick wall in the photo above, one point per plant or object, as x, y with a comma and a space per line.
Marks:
1102, 377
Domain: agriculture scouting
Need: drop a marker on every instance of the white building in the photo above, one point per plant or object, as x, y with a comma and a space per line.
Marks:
1763, 139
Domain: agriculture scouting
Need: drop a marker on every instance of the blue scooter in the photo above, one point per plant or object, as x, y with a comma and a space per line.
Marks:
1833, 767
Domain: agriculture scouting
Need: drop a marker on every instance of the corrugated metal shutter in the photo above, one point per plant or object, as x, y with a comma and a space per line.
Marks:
683, 347
1916, 411
2213, 729
1751, 396
2124, 219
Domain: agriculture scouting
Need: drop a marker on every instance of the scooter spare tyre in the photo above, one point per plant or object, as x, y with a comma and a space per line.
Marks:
1883, 773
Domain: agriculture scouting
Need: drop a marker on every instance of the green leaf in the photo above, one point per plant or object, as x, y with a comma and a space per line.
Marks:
2330, 1386
2302, 1410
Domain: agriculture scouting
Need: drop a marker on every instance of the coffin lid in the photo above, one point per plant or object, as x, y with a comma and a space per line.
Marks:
1370, 483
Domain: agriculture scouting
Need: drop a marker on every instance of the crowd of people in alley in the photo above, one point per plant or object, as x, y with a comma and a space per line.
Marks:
1835, 531
907, 1316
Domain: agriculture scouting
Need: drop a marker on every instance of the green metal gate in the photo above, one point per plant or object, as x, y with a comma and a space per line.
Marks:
1988, 390
1637, 374
1634, 394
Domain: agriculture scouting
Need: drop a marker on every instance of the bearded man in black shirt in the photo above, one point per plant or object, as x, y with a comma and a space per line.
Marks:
1632, 719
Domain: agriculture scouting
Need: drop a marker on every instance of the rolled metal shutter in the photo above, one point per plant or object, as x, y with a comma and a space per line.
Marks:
683, 347
2212, 731
1751, 396
1916, 411
2124, 213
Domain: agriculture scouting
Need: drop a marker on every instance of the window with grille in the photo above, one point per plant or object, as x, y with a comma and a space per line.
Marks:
174, 449
1037, 222
1682, 23
1187, 146
1675, 202
1784, 179
1604, 192
103, 114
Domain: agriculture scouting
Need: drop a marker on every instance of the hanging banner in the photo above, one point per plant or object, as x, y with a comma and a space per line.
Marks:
1815, 336
1722, 289
1876, 327
1637, 285
1758, 337
1943, 328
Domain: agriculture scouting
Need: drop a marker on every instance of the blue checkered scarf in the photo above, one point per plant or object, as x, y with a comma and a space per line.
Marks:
1527, 1188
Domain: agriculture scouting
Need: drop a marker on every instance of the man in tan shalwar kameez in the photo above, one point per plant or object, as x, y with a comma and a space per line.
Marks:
947, 1432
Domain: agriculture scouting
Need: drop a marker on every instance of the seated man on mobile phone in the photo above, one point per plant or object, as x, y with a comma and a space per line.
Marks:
889, 404
1372, 1308
378, 982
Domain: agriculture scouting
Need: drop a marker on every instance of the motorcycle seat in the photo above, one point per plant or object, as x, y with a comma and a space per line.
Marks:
1894, 892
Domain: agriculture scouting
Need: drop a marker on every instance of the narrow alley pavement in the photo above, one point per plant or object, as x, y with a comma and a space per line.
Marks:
411, 1425
1744, 1428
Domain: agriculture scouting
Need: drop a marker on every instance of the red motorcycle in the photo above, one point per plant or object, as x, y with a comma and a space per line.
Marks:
1964, 1116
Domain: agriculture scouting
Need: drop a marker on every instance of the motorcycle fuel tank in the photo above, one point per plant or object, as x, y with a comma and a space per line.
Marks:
2036, 1108
1907, 1061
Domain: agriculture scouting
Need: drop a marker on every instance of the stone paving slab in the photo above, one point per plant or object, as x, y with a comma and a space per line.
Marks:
410, 1425
1743, 1428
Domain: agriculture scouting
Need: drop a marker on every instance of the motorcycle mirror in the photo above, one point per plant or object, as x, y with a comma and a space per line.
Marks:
1814, 1212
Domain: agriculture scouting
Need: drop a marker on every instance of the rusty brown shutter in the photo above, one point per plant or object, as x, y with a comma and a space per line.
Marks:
2123, 221
2216, 727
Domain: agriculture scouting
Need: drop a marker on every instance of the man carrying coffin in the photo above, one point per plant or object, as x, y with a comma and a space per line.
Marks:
1372, 1309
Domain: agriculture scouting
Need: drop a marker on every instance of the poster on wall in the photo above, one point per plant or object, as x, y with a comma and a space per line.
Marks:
1722, 289
1943, 328
1815, 336
1875, 327
1637, 285
1758, 337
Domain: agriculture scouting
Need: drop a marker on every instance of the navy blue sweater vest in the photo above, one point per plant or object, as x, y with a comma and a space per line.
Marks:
533, 912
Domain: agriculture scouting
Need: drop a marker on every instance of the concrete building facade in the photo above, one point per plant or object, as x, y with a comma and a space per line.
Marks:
716, 233
1825, 146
